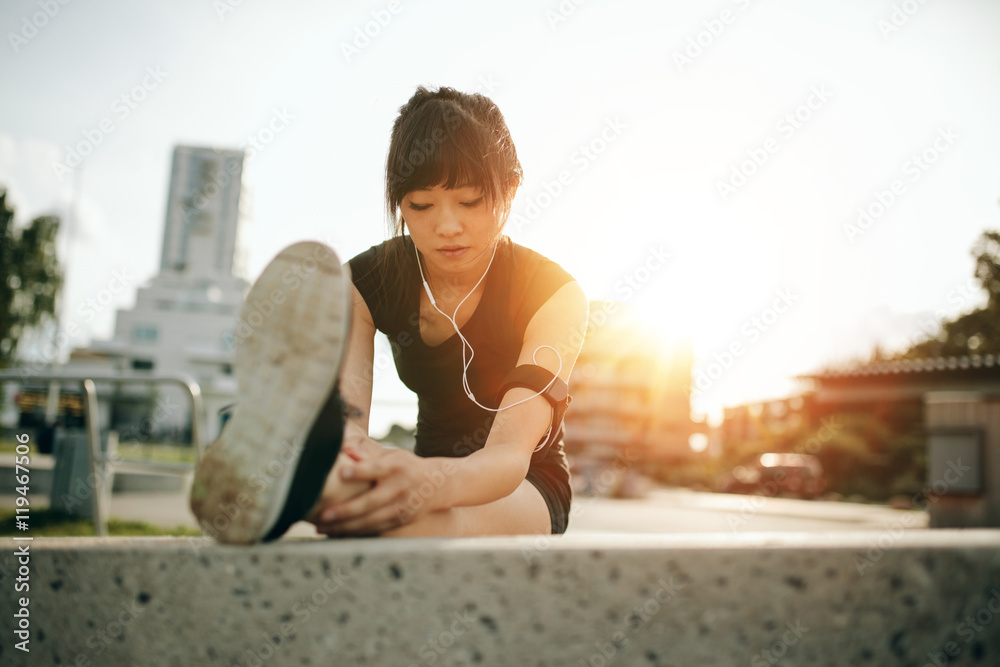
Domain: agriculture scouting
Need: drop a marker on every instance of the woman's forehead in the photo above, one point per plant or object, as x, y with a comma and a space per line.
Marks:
441, 186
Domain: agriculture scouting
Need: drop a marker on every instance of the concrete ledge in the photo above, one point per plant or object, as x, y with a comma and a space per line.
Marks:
850, 598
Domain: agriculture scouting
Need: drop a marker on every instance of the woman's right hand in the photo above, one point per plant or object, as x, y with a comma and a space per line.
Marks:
358, 441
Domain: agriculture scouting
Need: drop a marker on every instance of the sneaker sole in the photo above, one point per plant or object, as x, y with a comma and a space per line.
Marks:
290, 341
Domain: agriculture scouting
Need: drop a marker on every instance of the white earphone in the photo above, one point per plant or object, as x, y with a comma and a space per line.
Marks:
472, 352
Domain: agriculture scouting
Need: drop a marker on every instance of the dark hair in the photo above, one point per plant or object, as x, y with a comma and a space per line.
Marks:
449, 138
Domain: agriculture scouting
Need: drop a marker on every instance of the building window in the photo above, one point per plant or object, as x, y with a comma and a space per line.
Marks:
144, 333
142, 364
227, 369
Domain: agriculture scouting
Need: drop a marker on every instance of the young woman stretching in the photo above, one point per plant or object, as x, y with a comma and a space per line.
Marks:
483, 330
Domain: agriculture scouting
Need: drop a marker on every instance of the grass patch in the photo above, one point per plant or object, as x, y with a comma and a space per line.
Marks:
130, 450
51, 523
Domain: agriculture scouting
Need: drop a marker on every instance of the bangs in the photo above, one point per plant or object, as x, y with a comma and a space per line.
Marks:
442, 144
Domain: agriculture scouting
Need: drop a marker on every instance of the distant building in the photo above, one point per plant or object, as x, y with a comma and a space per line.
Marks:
753, 421
956, 401
889, 390
631, 393
952, 404
184, 317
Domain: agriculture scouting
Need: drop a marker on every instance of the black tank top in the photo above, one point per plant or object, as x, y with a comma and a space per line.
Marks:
519, 281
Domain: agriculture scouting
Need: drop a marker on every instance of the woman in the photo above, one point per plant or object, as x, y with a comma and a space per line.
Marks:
483, 330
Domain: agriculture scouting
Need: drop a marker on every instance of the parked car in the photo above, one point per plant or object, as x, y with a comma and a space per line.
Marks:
777, 474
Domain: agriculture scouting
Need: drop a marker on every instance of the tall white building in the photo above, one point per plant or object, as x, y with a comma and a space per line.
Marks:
183, 319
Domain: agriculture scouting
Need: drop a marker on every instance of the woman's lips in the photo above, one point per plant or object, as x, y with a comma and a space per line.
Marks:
452, 253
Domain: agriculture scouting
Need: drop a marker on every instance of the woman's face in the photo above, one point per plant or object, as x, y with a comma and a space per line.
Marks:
453, 229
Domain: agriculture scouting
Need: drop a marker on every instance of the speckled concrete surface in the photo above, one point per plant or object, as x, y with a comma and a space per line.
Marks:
848, 598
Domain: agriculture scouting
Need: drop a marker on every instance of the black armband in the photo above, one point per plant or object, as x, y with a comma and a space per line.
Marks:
537, 379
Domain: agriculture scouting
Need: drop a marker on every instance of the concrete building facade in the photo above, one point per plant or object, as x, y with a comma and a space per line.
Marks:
184, 317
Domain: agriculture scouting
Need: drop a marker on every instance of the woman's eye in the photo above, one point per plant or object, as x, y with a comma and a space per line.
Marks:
419, 207
473, 203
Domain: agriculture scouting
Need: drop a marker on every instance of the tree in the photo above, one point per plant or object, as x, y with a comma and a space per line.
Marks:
976, 332
30, 277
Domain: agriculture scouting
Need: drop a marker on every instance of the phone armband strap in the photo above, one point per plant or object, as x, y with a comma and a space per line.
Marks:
537, 378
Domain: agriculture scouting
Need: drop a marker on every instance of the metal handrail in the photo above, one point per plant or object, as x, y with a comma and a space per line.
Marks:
89, 391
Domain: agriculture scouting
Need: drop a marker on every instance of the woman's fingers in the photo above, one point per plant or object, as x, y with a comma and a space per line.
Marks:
384, 493
392, 476
369, 468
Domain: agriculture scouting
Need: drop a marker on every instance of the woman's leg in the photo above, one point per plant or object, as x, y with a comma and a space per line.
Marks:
523, 512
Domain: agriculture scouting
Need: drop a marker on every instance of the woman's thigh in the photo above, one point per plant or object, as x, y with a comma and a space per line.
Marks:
523, 512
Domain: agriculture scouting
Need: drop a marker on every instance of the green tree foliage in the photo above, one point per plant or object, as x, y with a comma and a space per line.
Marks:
30, 276
976, 332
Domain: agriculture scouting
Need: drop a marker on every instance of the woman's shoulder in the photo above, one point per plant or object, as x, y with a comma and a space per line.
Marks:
380, 251
371, 266
532, 265
380, 274
535, 278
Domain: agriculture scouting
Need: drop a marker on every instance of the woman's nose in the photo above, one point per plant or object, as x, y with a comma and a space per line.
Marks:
449, 222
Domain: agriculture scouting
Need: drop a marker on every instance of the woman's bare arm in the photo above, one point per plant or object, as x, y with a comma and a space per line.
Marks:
483, 476
500, 466
356, 375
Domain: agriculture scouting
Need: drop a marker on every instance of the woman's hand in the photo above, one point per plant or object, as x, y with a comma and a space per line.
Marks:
393, 500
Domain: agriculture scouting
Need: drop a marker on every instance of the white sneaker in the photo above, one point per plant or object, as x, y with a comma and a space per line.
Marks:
268, 467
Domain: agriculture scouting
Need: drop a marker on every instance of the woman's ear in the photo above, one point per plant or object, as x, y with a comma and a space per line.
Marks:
513, 183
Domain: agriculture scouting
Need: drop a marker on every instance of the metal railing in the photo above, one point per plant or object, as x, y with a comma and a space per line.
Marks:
95, 456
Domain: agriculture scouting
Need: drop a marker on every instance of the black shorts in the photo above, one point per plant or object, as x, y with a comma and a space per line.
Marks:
552, 481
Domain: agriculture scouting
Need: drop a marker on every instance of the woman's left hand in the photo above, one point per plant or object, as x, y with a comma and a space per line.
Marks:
393, 499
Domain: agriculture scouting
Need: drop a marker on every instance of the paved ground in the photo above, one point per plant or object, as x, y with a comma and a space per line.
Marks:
666, 510
677, 510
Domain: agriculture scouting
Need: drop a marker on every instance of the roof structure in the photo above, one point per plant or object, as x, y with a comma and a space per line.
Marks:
905, 366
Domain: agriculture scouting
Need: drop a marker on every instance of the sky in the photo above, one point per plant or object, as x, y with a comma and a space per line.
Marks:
783, 183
